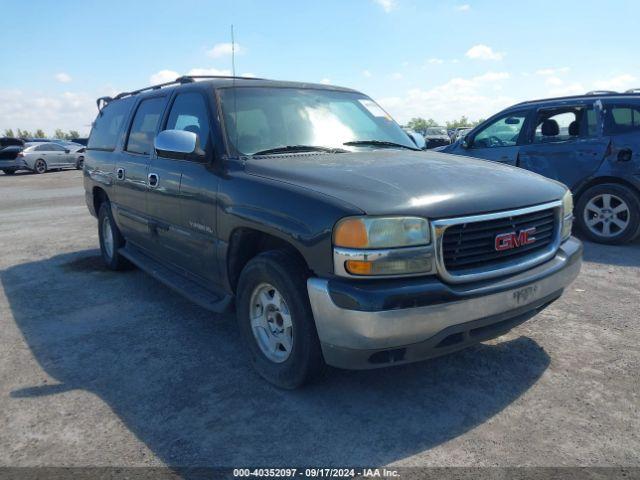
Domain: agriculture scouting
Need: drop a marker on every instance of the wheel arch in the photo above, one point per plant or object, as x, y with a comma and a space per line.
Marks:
601, 181
99, 197
246, 243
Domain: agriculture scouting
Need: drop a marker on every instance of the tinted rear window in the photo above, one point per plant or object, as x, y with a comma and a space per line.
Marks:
622, 119
145, 125
108, 125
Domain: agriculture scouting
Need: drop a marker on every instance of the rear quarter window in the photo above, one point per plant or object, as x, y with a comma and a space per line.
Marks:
108, 125
622, 119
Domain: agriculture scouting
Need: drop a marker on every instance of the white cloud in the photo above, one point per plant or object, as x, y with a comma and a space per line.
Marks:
552, 71
326, 81
575, 88
366, 73
618, 83
33, 110
387, 5
473, 97
463, 8
63, 77
483, 52
209, 71
436, 61
163, 76
249, 74
225, 49
396, 76
555, 81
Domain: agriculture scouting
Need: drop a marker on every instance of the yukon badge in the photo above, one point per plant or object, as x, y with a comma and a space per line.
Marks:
507, 241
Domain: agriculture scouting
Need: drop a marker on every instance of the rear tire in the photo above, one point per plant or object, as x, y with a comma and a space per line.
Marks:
80, 163
40, 166
110, 239
609, 214
281, 334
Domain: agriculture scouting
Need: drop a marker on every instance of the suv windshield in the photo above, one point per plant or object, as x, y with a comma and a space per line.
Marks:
436, 131
276, 120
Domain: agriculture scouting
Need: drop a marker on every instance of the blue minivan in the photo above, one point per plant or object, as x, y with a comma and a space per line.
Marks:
590, 142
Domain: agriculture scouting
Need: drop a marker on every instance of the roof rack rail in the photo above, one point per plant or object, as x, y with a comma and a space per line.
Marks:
635, 91
601, 92
102, 101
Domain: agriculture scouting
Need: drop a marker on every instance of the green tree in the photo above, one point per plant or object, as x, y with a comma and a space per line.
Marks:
8, 132
73, 134
39, 133
463, 122
23, 133
420, 124
59, 133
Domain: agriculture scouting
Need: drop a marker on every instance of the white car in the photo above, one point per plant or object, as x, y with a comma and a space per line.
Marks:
42, 156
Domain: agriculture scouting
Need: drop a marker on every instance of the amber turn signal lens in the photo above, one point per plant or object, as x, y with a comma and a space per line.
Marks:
351, 233
359, 267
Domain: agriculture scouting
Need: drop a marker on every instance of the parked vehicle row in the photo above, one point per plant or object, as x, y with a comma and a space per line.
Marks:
308, 208
591, 143
39, 157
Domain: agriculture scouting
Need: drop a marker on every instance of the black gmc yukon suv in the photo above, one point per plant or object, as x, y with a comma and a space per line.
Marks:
309, 209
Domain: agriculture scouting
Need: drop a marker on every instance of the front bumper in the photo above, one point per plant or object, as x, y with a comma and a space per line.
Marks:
355, 334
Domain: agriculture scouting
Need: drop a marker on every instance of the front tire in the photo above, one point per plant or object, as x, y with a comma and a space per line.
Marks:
40, 166
80, 163
275, 320
111, 240
609, 214
9, 171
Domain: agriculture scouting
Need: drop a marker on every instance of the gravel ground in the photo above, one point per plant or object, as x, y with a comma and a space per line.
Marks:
101, 368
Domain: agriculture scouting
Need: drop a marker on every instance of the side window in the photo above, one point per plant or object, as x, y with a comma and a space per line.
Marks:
189, 112
622, 119
503, 132
557, 126
108, 125
40, 148
54, 147
592, 122
144, 126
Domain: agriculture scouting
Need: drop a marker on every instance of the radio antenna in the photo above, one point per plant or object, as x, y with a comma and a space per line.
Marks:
235, 94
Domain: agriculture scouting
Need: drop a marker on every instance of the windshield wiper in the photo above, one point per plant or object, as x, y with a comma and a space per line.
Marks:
379, 143
300, 148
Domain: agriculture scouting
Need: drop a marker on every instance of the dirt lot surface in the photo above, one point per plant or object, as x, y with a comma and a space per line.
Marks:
103, 368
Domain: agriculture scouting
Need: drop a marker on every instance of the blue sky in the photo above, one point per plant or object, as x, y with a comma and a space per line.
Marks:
439, 59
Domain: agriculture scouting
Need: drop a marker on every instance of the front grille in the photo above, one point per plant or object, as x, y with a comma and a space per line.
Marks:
471, 246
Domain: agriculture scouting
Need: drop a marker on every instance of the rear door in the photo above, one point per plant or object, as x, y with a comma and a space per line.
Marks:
54, 155
565, 143
131, 171
499, 140
622, 127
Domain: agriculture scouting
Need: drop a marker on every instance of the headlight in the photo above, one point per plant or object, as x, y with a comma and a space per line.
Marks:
381, 232
567, 214
391, 246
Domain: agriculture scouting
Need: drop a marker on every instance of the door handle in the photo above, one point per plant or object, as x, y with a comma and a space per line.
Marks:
152, 180
120, 173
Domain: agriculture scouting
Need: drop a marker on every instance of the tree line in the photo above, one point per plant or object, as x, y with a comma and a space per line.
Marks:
419, 124
39, 133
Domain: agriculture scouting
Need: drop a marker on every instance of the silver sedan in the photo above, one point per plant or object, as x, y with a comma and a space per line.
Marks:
40, 157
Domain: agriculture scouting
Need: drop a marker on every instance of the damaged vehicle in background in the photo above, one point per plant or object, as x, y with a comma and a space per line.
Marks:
591, 143
436, 137
43, 156
10, 160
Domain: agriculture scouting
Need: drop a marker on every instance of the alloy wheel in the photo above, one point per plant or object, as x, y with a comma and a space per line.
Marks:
606, 215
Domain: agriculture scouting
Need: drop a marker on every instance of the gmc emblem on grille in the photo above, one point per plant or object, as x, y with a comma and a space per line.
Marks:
507, 241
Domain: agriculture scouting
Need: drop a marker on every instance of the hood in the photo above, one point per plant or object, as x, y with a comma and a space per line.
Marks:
434, 185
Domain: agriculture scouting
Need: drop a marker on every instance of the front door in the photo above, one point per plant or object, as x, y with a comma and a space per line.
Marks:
565, 144
131, 172
499, 140
184, 201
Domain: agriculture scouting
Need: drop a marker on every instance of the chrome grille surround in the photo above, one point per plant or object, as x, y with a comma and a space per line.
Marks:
497, 269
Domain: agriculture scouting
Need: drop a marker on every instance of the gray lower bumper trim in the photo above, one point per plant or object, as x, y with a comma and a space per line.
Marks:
340, 328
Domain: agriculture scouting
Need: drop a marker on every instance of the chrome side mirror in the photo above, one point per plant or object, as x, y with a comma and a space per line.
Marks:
464, 144
176, 143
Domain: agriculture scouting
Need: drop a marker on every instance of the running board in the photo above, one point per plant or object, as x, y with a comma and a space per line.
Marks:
176, 281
